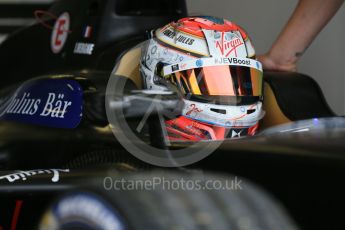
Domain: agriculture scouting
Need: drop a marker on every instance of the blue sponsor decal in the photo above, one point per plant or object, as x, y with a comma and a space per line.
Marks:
48, 102
199, 63
258, 65
219, 21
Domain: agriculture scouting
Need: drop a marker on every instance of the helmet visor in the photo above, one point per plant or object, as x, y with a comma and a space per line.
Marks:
222, 84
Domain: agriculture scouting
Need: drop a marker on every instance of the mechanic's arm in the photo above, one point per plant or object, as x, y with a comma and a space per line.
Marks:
308, 19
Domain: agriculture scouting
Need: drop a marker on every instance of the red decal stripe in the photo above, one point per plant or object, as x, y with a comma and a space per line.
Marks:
16, 213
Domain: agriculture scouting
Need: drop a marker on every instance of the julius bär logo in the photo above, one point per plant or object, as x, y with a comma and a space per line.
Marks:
228, 43
60, 32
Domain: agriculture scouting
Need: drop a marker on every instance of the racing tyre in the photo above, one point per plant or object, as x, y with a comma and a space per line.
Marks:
161, 200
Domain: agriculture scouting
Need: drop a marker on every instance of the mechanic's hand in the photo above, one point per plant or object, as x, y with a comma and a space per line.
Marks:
270, 63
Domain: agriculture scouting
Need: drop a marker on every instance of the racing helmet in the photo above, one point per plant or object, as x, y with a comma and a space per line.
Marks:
211, 61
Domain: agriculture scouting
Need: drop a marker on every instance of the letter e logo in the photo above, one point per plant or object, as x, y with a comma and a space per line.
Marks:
60, 32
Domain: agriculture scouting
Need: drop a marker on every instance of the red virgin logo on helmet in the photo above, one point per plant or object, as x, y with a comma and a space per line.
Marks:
228, 44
